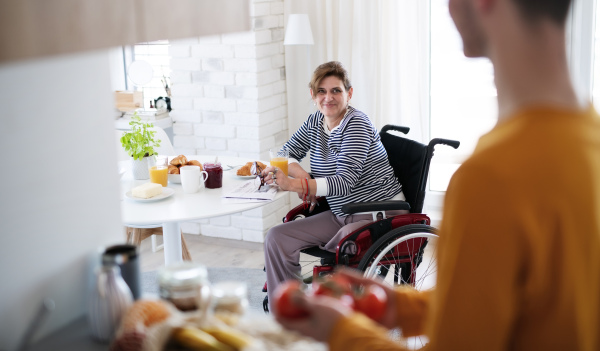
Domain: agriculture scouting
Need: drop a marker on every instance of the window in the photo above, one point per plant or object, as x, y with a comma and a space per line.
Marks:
156, 53
463, 101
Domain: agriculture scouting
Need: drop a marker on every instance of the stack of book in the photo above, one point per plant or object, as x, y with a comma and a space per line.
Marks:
149, 114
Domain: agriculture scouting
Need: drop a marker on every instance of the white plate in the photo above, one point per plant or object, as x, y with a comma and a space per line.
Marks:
166, 192
175, 178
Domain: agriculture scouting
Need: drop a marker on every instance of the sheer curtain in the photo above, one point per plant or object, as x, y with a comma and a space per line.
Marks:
384, 45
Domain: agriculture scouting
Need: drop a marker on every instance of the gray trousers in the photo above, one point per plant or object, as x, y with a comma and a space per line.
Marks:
284, 242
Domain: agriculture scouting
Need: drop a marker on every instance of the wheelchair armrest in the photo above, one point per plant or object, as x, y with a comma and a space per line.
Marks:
301, 212
373, 206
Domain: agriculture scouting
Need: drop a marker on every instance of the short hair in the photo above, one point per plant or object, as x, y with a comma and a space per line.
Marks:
555, 10
332, 68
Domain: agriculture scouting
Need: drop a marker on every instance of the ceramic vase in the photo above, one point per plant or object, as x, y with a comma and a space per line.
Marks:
140, 168
109, 301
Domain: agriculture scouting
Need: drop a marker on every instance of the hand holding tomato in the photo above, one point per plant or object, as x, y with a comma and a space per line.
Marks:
286, 300
382, 312
322, 314
372, 301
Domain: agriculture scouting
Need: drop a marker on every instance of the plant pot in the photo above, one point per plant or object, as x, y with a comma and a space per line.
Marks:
141, 168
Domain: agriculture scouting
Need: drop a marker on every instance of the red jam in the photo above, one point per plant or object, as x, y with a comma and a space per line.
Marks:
215, 175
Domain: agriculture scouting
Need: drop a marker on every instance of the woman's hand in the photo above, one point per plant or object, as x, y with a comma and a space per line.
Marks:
274, 175
323, 314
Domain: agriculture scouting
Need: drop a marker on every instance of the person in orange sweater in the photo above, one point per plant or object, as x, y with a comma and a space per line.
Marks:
519, 247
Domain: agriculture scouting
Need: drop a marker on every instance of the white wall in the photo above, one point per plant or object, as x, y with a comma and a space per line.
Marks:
59, 188
229, 98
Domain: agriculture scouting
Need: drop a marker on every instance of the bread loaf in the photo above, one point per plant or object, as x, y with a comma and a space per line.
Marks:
146, 191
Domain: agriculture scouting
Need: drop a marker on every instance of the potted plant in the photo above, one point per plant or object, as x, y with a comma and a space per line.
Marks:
140, 143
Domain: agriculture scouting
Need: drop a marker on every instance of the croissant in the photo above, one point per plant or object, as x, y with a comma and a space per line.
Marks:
244, 170
173, 169
178, 161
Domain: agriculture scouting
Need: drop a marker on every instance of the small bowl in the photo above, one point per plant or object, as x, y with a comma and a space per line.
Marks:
175, 178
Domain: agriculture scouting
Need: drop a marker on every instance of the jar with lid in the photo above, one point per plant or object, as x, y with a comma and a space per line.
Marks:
231, 297
185, 285
214, 180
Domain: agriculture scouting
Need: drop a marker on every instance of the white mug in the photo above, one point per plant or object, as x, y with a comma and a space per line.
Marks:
190, 178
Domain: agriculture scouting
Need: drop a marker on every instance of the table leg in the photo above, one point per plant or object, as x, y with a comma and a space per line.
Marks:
172, 242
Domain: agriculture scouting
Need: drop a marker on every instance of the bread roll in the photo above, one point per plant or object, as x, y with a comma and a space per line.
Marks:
195, 163
178, 161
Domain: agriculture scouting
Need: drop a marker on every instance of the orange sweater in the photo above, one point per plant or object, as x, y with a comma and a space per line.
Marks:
519, 248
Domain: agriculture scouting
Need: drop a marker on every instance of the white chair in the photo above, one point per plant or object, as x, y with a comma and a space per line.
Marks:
137, 235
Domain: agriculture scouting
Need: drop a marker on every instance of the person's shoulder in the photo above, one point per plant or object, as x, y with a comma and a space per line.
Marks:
315, 118
357, 120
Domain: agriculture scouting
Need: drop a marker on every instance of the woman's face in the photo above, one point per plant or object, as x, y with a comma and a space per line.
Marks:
331, 97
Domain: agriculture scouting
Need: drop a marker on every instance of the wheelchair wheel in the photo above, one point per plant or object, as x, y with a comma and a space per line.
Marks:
408, 252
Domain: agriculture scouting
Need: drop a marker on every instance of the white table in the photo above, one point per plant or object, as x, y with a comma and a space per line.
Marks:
182, 207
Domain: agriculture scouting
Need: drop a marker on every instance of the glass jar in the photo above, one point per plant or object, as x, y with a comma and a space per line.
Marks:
215, 175
186, 285
231, 297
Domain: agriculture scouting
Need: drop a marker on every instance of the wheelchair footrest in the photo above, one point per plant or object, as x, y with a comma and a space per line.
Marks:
326, 256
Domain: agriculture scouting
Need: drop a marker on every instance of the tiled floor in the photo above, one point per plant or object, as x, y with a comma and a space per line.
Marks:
212, 252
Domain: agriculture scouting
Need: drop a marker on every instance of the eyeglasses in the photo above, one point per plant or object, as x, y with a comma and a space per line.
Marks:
256, 169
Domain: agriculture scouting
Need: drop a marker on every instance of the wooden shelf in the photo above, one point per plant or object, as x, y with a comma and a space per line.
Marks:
33, 28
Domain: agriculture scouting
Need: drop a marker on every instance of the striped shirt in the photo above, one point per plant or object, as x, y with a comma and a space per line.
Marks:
351, 159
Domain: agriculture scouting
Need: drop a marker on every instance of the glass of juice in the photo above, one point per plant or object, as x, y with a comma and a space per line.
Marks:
215, 175
159, 173
279, 159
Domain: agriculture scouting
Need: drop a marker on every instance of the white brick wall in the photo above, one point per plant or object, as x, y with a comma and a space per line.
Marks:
229, 98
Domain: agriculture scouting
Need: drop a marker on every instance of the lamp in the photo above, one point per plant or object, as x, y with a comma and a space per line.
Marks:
298, 30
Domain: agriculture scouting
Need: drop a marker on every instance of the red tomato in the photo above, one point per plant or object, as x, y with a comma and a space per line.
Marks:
283, 303
372, 301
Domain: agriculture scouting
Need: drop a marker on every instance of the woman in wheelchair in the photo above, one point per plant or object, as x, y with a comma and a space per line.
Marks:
349, 164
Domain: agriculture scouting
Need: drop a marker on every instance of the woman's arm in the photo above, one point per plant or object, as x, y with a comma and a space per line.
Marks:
296, 171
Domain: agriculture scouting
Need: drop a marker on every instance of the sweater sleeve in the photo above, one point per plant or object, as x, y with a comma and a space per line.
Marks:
412, 306
358, 332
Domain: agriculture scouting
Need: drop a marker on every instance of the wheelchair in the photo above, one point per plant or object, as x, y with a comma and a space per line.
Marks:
403, 244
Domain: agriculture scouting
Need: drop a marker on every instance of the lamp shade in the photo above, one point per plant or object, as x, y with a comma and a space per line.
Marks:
298, 31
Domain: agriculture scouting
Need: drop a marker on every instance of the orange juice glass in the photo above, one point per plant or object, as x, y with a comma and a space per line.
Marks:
279, 159
159, 173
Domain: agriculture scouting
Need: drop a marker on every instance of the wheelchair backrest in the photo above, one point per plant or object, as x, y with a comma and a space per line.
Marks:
407, 158
410, 161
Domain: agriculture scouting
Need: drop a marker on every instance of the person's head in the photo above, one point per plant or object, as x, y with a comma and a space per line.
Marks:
468, 15
331, 89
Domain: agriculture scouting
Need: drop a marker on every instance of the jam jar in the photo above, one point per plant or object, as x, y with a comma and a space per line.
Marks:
215, 175
185, 285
